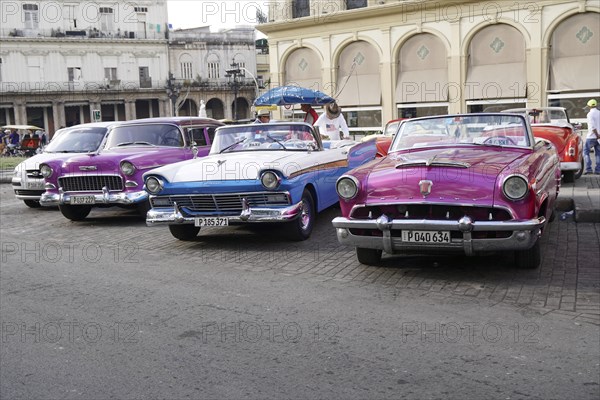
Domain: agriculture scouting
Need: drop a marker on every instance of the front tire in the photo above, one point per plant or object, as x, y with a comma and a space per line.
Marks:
530, 258
75, 213
368, 256
32, 203
143, 208
301, 228
569, 176
579, 172
184, 232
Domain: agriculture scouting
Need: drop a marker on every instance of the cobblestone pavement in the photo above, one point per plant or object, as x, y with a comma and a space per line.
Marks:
566, 285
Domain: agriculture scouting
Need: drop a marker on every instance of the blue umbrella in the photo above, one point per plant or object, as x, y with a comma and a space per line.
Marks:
283, 95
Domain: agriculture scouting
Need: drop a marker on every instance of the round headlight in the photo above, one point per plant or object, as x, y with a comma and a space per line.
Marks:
46, 171
153, 185
270, 180
127, 168
515, 187
347, 187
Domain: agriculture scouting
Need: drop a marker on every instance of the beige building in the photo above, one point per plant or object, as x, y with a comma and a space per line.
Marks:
386, 59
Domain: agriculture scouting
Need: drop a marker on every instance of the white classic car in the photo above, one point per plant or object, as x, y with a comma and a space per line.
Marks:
275, 173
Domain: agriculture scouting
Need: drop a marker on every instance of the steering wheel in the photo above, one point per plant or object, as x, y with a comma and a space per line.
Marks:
498, 140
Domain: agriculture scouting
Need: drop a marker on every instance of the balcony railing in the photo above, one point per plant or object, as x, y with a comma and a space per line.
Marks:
103, 86
89, 33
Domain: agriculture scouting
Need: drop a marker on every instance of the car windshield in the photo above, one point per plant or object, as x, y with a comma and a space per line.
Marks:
256, 137
391, 128
145, 135
544, 115
76, 140
452, 130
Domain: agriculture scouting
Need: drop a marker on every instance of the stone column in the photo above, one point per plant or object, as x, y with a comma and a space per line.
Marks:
58, 113
130, 111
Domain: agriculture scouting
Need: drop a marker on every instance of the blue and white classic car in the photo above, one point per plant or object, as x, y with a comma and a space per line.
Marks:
260, 173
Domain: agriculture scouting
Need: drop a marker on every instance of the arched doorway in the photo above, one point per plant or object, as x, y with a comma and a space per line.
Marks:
215, 109
188, 108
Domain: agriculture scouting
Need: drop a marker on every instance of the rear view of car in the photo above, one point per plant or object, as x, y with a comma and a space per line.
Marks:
28, 182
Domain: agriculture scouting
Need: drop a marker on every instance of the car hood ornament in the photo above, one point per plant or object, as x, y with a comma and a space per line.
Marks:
425, 187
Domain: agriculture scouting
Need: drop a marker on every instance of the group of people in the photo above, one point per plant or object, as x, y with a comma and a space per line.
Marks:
592, 140
331, 124
10, 141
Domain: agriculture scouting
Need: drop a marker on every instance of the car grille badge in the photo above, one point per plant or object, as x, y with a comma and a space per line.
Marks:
425, 187
87, 168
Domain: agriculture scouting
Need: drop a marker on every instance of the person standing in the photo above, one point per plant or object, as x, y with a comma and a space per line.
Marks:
311, 115
331, 121
592, 140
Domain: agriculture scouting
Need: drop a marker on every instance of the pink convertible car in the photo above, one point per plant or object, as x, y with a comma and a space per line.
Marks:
471, 184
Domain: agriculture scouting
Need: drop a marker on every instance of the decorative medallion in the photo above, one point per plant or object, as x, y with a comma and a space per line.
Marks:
359, 59
423, 52
303, 64
497, 45
584, 34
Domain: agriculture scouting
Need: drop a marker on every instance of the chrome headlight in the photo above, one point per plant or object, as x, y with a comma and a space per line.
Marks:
270, 180
347, 187
515, 187
127, 168
46, 171
154, 185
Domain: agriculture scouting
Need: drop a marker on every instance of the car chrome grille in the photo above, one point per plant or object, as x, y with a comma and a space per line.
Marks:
431, 212
222, 202
90, 183
34, 174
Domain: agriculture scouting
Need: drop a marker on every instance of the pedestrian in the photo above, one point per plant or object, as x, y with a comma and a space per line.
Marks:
331, 121
263, 117
592, 140
13, 140
311, 115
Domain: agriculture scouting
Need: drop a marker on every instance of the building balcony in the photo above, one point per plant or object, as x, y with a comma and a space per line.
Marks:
89, 33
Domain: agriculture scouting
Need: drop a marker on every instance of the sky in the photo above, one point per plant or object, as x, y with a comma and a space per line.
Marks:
217, 14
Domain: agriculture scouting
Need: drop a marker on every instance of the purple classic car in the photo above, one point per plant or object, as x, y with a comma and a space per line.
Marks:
113, 176
27, 180
471, 184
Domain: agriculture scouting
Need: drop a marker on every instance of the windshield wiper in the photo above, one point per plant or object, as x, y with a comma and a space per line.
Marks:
130, 143
232, 145
276, 141
124, 144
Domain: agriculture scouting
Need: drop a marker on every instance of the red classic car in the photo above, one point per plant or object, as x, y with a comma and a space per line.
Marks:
471, 183
384, 140
552, 123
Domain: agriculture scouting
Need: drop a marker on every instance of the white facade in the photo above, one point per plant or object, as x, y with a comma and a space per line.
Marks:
61, 61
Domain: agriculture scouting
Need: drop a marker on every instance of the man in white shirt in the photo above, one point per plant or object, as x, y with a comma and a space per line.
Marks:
592, 140
331, 121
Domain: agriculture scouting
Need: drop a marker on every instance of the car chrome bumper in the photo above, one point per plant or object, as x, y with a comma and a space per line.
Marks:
106, 197
524, 234
174, 216
27, 189
570, 166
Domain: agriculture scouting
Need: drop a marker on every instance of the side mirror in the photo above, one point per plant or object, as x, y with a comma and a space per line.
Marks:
194, 150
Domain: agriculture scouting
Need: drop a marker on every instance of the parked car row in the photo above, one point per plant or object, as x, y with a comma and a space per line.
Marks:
471, 183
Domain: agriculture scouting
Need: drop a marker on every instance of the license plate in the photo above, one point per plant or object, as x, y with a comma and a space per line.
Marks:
212, 221
34, 184
426, 236
83, 200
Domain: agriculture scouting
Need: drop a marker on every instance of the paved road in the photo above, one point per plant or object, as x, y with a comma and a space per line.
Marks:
110, 308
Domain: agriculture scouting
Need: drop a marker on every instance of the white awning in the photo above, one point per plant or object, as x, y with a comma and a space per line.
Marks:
496, 66
359, 81
422, 70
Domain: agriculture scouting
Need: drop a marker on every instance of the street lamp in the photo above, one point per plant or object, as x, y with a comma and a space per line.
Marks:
234, 72
173, 91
